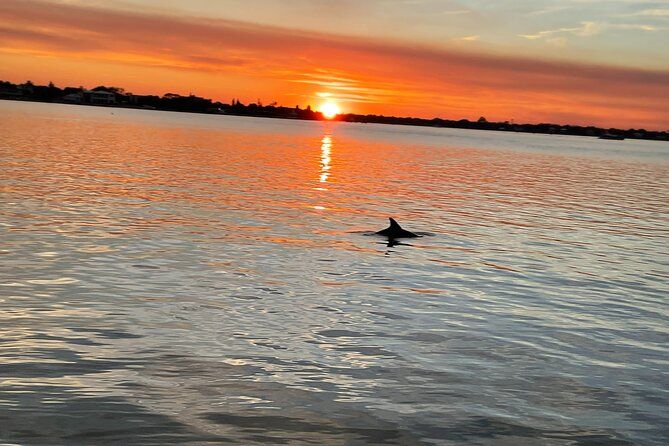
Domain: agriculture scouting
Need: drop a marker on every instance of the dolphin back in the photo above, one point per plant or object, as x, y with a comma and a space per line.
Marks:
396, 231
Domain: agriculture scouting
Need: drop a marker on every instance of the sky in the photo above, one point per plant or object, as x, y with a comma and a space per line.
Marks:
587, 62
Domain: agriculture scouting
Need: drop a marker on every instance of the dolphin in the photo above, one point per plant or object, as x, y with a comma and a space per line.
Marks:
395, 231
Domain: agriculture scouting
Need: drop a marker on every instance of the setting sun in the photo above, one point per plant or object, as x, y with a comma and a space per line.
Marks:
330, 110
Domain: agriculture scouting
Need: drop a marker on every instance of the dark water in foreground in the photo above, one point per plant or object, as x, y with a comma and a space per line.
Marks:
186, 279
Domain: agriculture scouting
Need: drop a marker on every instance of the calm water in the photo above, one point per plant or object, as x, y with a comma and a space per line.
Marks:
170, 278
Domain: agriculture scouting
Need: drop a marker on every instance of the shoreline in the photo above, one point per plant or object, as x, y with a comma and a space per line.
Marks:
276, 113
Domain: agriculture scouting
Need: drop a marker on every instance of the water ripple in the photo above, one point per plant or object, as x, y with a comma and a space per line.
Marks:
190, 279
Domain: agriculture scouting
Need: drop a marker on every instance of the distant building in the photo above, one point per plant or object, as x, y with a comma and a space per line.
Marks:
73, 98
216, 110
99, 97
134, 99
11, 93
27, 88
287, 112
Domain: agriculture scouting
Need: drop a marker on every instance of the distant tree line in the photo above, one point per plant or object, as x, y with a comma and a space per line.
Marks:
506, 126
118, 97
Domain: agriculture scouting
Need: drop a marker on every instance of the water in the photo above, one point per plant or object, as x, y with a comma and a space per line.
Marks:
172, 278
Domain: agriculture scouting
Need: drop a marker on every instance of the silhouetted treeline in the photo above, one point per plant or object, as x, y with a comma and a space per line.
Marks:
118, 97
506, 126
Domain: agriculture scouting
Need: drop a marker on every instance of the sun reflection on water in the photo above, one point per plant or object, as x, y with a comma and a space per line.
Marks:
326, 148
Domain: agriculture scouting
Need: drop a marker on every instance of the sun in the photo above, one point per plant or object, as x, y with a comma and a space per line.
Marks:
329, 110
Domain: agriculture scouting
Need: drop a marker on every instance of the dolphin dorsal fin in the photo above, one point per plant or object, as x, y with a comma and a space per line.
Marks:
394, 224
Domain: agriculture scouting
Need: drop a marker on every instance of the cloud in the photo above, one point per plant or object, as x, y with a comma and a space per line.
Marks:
456, 12
588, 29
379, 75
654, 12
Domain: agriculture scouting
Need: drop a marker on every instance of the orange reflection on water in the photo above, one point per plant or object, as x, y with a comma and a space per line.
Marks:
326, 149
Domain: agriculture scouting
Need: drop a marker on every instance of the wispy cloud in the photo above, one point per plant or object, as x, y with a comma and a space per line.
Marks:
455, 11
654, 12
472, 38
588, 28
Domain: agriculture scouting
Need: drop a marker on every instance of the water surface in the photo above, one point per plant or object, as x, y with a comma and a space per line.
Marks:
170, 278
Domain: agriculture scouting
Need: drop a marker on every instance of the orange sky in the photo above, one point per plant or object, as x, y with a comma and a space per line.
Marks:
155, 51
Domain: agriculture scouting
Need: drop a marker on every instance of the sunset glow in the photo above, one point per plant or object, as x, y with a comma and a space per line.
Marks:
330, 110
553, 65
